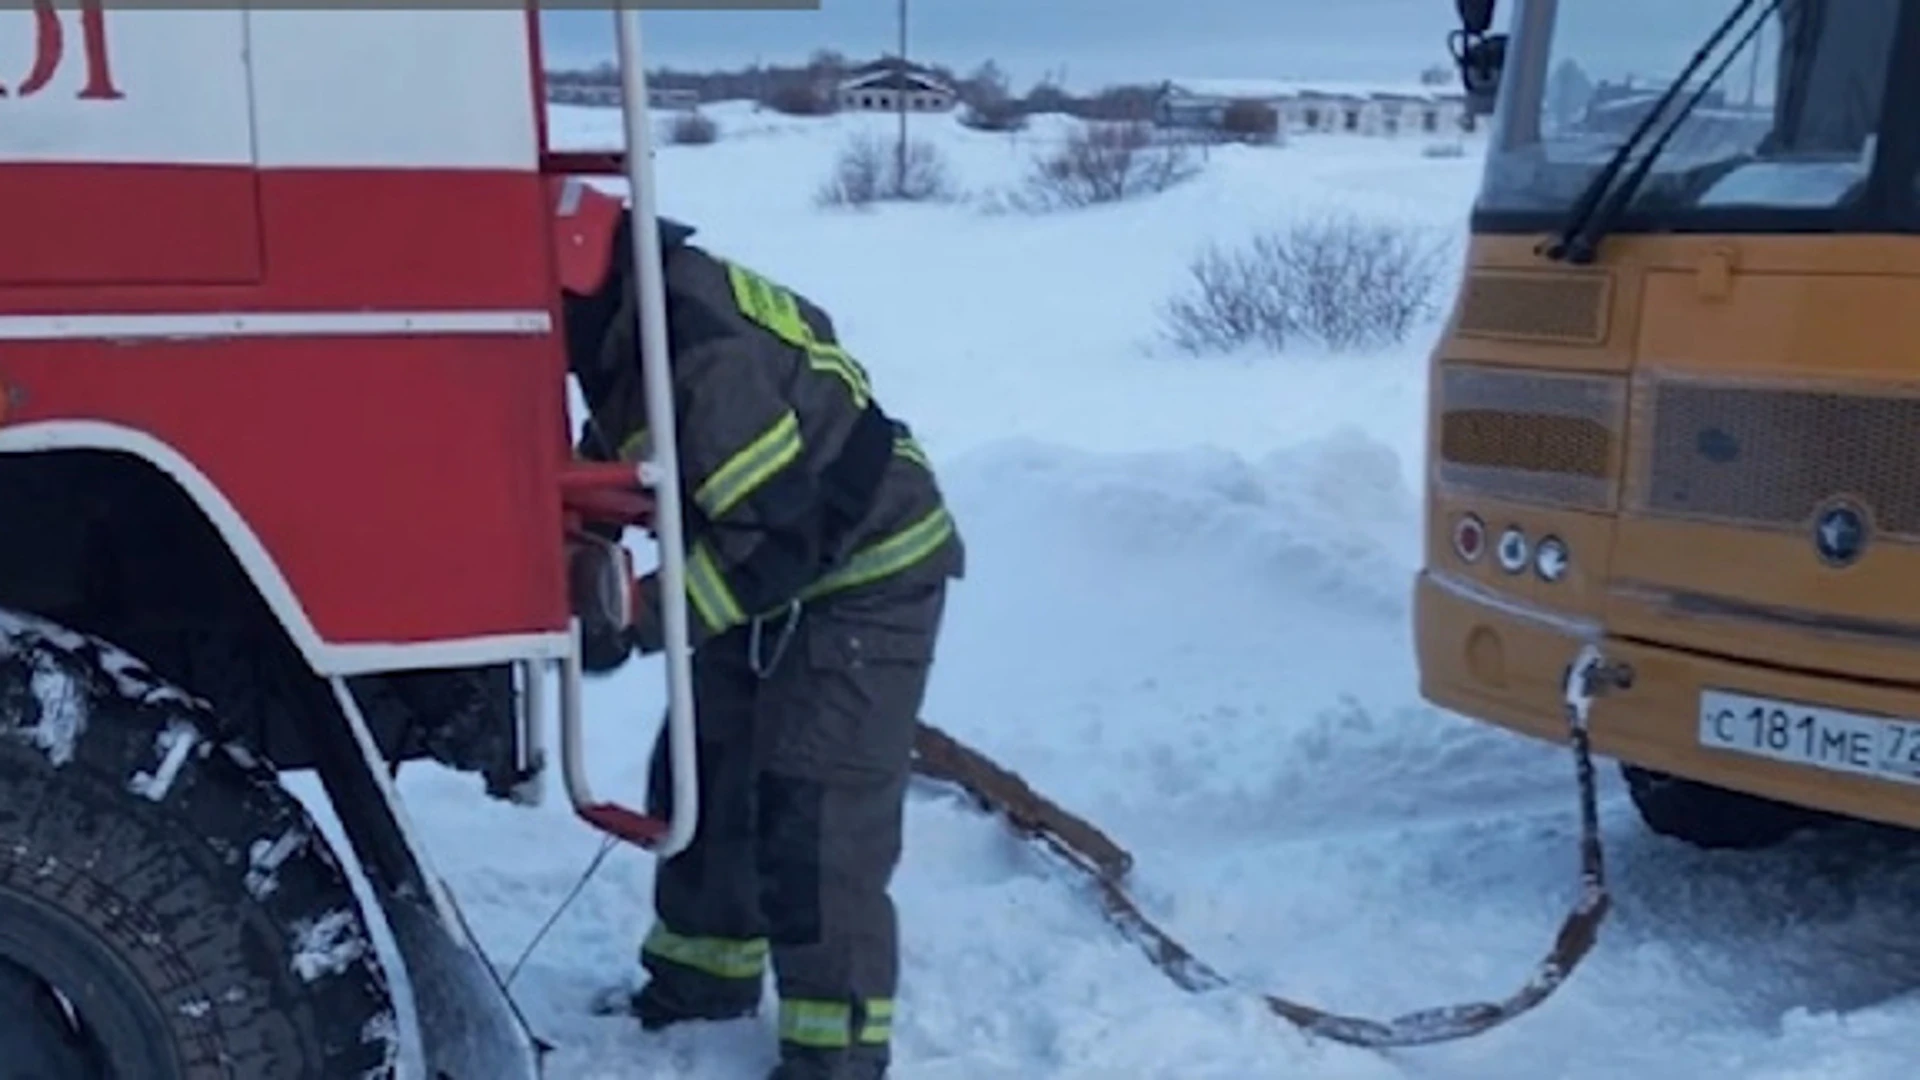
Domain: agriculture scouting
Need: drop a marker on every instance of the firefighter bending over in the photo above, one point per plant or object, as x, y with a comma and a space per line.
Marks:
819, 551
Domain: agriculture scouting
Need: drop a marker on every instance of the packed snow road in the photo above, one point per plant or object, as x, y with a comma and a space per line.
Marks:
1186, 618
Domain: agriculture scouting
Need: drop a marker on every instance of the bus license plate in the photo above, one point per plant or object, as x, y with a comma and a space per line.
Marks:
1829, 739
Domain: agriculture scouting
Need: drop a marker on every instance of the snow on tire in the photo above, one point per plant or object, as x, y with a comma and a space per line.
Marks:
205, 924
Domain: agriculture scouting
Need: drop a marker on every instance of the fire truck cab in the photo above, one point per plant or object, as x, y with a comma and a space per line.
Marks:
285, 483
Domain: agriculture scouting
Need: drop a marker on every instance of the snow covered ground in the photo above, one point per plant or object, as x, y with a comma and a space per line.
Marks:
1187, 617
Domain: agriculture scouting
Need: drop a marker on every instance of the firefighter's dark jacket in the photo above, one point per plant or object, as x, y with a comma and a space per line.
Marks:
795, 485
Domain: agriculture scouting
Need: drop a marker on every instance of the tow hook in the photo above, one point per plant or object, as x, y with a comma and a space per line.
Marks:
1591, 677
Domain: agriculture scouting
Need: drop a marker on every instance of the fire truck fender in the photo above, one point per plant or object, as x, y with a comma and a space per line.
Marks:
241, 540
453, 1017
325, 658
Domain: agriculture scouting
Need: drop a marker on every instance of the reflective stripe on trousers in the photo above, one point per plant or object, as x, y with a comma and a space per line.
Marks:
831, 1025
723, 958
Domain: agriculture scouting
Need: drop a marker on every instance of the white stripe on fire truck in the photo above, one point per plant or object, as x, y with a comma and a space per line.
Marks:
115, 327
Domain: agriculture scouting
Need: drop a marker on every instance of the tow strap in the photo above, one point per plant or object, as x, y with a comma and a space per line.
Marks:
940, 757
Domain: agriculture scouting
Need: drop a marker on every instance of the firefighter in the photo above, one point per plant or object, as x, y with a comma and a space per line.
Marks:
819, 554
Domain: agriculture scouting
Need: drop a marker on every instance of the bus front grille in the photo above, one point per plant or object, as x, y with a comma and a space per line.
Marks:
1559, 308
1772, 456
1530, 436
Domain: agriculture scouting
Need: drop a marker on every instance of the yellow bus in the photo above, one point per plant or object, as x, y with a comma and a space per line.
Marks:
1675, 413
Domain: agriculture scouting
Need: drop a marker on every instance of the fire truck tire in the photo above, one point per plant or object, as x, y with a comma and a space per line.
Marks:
168, 911
1711, 817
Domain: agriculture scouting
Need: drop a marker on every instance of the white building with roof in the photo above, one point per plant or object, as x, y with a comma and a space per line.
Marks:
881, 87
1319, 107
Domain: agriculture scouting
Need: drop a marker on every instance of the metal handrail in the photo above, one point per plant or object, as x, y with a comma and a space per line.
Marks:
658, 477
661, 474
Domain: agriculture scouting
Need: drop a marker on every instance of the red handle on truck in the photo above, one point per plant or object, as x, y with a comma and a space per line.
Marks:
622, 823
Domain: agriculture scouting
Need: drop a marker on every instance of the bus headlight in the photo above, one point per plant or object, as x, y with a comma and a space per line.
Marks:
1513, 550
1551, 560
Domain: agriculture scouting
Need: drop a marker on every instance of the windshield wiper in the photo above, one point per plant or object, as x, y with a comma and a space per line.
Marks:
1579, 238
1586, 244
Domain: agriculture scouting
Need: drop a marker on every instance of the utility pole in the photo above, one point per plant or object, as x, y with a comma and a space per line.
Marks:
900, 104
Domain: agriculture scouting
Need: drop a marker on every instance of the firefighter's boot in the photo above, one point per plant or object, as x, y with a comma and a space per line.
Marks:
656, 1009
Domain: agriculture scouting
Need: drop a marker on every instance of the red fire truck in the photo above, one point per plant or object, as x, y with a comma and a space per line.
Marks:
286, 483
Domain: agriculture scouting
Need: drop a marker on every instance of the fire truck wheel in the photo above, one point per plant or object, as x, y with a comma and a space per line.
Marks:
1711, 817
168, 911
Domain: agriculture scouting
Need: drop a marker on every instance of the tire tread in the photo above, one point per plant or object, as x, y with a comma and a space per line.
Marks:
170, 878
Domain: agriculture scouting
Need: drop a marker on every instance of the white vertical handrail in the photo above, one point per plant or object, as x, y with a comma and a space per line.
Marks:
662, 473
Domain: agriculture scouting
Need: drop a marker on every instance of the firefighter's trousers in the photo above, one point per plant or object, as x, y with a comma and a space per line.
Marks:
805, 750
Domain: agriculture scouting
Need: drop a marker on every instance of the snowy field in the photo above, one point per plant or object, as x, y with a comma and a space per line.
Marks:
1187, 617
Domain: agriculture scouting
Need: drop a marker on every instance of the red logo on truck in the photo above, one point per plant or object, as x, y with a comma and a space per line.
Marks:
50, 50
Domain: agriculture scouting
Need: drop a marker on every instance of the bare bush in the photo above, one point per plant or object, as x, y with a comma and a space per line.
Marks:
692, 129
999, 115
868, 170
799, 97
1104, 163
1339, 281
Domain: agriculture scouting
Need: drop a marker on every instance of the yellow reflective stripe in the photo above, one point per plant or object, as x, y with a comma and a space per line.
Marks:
889, 556
821, 1024
769, 305
879, 1026
633, 446
859, 371
776, 309
905, 446
833, 360
712, 600
743, 473
829, 1024
726, 958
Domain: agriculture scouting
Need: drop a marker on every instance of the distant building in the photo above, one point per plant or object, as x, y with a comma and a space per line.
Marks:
880, 86
1306, 108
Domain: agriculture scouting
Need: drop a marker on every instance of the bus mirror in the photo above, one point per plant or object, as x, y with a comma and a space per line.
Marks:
1481, 60
1476, 16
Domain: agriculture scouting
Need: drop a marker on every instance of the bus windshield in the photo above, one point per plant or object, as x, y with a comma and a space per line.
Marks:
1789, 125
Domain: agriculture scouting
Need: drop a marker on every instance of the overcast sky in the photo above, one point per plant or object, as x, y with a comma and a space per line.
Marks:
1089, 42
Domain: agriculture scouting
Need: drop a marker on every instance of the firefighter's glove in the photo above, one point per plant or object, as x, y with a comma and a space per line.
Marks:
600, 589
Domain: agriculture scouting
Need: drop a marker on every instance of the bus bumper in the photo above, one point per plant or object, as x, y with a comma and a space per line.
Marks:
1831, 744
